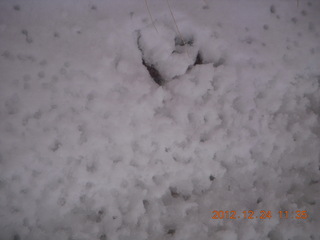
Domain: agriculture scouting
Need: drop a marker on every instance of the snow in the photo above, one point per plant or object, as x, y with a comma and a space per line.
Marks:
93, 147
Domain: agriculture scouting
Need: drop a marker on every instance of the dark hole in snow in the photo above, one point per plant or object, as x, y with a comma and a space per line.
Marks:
174, 192
211, 178
171, 231
178, 41
145, 204
103, 237
259, 200
199, 59
154, 73
101, 212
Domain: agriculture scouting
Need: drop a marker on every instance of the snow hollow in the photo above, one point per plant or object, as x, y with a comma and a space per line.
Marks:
115, 125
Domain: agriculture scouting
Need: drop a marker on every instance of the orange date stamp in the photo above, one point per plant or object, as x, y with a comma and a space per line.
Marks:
216, 214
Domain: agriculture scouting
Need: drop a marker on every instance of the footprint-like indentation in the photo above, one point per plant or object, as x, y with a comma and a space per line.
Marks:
181, 53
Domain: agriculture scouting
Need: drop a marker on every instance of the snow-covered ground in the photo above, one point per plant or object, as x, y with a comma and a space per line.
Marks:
91, 147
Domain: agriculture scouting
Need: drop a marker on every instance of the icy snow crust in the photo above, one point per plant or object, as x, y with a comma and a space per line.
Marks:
92, 148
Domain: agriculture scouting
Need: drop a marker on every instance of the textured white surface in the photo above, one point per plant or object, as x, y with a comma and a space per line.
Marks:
92, 148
